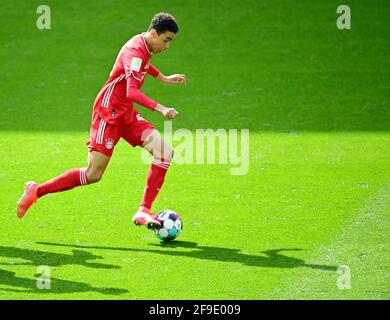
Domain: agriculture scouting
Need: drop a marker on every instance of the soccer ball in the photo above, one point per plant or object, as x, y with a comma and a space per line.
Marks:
171, 225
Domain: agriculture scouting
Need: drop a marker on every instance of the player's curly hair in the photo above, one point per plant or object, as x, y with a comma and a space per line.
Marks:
163, 22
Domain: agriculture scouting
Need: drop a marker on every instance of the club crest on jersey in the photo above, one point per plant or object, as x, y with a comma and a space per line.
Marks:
109, 143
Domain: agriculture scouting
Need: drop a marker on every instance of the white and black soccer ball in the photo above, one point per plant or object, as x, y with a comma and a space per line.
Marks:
171, 225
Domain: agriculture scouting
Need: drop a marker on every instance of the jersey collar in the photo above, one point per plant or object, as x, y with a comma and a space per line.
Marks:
146, 46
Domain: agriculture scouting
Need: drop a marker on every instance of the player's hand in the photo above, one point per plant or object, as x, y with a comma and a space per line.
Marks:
169, 113
176, 79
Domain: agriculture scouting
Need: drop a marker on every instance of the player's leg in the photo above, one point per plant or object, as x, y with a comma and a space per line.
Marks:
97, 163
103, 138
162, 156
140, 132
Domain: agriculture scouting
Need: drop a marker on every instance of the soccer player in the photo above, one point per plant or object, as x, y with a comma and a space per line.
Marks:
114, 117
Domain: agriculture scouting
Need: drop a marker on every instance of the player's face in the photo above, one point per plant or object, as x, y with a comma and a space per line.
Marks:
162, 42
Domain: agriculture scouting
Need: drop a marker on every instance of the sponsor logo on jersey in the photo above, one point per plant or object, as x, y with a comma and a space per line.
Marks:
139, 118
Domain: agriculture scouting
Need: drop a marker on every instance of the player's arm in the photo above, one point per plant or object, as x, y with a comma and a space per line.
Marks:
135, 94
134, 66
172, 79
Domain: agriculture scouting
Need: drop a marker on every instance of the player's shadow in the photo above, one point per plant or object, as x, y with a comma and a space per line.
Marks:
269, 258
37, 258
27, 257
27, 285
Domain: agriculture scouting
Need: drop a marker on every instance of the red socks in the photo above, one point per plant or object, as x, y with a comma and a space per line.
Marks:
154, 181
77, 177
67, 180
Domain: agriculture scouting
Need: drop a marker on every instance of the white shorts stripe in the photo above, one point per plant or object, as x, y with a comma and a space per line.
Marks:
100, 134
99, 130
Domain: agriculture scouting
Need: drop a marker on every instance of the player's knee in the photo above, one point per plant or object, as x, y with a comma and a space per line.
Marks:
168, 154
94, 179
94, 176
165, 153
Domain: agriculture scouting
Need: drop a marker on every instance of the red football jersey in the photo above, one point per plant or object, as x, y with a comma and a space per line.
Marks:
114, 104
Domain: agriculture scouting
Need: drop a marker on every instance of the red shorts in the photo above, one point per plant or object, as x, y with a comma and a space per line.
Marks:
104, 136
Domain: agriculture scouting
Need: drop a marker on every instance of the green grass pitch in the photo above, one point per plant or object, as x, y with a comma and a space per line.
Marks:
317, 195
